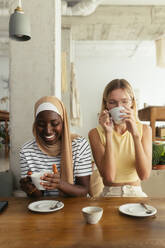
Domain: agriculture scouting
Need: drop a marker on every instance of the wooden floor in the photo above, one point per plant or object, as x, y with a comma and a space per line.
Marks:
4, 162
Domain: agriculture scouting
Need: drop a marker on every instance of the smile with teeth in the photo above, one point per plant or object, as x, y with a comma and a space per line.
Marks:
50, 136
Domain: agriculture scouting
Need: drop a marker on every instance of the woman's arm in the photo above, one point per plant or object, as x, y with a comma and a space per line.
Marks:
143, 153
82, 169
29, 188
103, 156
80, 188
143, 146
25, 181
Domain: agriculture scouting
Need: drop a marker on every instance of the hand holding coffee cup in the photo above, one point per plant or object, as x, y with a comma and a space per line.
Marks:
116, 114
36, 178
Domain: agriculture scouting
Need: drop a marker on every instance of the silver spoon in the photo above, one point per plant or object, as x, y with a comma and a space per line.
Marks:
55, 205
148, 211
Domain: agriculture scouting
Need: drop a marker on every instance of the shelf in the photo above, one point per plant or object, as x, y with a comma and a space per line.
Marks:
159, 139
159, 167
4, 117
152, 114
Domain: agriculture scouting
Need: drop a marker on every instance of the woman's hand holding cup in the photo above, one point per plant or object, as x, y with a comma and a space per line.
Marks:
116, 114
105, 121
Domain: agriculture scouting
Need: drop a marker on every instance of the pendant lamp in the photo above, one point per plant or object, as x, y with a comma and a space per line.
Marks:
19, 25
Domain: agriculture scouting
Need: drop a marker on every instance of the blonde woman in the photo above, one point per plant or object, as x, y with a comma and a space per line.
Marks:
122, 152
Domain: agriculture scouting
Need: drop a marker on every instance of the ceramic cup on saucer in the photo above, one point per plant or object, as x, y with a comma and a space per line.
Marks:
116, 114
92, 214
36, 178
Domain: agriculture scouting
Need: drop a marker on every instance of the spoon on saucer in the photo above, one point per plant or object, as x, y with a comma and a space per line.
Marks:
55, 205
148, 211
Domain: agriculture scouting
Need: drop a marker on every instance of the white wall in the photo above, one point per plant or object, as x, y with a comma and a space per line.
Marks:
99, 63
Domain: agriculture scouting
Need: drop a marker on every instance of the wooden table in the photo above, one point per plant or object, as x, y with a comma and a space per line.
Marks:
152, 114
4, 116
21, 228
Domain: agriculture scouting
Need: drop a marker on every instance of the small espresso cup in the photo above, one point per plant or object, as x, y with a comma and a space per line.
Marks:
92, 214
36, 178
116, 114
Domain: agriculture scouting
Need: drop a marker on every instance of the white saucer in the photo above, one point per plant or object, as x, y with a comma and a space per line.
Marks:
44, 206
135, 209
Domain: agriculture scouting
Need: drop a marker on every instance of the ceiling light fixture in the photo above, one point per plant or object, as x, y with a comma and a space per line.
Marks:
19, 25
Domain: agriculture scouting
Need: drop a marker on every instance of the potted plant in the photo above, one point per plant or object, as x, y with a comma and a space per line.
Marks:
158, 155
2, 135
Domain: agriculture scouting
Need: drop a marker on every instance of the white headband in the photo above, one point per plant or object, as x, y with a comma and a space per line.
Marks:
46, 106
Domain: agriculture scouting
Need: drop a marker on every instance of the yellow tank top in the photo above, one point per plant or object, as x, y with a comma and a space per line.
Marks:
124, 154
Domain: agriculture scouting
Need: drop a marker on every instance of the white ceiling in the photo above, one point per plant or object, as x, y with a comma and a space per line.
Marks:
119, 20
125, 2
5, 3
120, 27
113, 22
115, 48
134, 2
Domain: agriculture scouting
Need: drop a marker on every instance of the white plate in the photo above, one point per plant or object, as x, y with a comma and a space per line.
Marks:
44, 206
137, 210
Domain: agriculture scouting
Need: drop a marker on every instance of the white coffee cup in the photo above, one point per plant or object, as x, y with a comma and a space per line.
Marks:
92, 214
35, 176
116, 114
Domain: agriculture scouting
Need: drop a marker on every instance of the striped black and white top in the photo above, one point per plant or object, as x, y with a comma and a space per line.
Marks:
33, 159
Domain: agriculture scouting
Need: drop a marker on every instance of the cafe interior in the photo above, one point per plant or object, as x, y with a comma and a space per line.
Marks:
72, 49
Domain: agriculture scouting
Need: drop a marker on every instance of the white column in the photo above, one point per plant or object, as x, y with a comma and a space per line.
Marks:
35, 71
57, 48
66, 49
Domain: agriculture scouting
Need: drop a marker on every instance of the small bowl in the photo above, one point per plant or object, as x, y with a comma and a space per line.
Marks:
92, 214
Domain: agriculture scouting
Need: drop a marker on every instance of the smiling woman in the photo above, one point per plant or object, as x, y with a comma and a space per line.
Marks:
49, 126
54, 144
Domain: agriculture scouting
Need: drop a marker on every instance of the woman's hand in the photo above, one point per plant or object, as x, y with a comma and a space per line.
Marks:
51, 181
105, 121
29, 188
130, 121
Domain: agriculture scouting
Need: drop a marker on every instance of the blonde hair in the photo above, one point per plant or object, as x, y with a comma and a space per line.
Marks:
119, 84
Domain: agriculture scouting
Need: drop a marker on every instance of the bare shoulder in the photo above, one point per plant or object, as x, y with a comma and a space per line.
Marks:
147, 140
93, 135
92, 132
